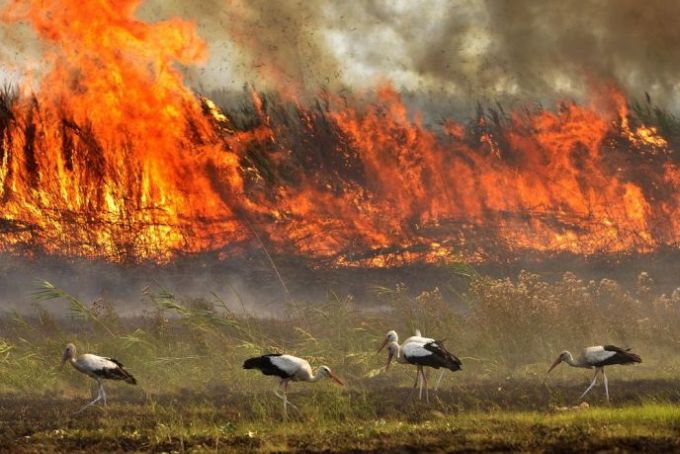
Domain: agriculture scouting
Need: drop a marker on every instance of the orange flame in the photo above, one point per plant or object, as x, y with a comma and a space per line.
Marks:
114, 138
116, 158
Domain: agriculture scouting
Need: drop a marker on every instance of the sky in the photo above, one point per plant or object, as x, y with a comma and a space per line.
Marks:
463, 50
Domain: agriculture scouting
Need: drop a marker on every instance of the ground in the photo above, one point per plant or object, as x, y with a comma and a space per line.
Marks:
515, 415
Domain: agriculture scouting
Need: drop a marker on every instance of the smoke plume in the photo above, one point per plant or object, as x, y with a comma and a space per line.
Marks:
506, 50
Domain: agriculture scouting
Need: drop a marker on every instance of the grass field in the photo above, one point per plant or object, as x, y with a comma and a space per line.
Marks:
193, 394
218, 420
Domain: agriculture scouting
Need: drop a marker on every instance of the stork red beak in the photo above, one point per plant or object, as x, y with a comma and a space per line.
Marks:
383, 345
557, 361
389, 361
336, 379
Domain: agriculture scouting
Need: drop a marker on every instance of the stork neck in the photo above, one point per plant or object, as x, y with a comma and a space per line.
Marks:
572, 362
397, 351
71, 358
316, 377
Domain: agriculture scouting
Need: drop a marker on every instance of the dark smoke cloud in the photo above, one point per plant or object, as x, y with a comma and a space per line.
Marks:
633, 43
520, 49
466, 50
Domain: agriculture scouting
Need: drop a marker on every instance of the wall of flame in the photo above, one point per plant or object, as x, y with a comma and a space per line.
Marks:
114, 157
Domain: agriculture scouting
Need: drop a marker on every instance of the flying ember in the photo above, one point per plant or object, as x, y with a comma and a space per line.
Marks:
112, 156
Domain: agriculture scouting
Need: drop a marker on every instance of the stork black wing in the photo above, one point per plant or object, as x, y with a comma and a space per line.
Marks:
441, 357
264, 364
116, 373
620, 356
115, 361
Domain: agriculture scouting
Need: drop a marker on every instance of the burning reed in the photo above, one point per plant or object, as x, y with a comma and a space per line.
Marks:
111, 155
344, 183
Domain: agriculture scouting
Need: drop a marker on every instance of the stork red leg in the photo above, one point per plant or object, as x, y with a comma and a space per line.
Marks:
439, 380
103, 393
99, 397
415, 383
597, 371
277, 389
606, 385
427, 392
283, 386
285, 398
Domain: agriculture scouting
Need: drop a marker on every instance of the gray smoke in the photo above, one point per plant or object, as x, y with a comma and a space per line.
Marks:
509, 50
547, 45
463, 50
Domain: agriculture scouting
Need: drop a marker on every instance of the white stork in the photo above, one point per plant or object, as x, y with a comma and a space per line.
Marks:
418, 337
421, 352
288, 368
97, 367
392, 336
597, 357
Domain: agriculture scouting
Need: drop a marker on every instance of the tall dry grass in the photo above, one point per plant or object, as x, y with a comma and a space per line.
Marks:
180, 343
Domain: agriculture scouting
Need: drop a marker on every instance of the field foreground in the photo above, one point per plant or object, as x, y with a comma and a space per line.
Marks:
193, 395
187, 422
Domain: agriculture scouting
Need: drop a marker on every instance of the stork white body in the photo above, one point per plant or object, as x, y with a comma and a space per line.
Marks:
421, 352
288, 368
598, 357
418, 337
99, 368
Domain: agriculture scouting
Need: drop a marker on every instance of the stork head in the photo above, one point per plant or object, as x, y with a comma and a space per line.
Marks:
390, 337
69, 353
326, 372
562, 357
